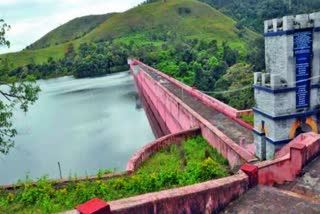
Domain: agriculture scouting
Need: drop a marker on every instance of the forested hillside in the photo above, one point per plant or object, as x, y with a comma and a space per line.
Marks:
188, 39
150, 22
252, 13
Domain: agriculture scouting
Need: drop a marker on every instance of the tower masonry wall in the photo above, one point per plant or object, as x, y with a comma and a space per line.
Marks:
315, 98
282, 103
285, 96
316, 58
279, 56
276, 130
279, 60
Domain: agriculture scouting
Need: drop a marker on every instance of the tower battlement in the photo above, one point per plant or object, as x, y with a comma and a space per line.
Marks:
287, 95
290, 23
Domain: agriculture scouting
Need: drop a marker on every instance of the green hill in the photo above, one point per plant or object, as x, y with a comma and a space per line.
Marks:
252, 13
72, 30
181, 18
187, 18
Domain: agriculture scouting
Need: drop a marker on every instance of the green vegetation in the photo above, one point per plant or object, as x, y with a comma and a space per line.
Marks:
72, 30
15, 91
187, 163
205, 64
248, 118
186, 19
185, 39
236, 86
252, 13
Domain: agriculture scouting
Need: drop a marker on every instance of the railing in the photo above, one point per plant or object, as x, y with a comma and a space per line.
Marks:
206, 99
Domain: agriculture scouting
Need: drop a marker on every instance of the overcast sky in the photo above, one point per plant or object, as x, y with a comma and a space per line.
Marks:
32, 19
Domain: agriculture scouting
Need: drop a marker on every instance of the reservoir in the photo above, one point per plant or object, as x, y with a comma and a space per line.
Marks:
85, 124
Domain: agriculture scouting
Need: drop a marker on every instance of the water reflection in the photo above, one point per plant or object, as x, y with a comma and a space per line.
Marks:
86, 124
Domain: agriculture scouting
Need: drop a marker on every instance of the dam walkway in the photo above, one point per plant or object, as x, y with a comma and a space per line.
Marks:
235, 131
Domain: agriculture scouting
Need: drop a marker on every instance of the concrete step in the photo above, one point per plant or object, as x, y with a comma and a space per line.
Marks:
309, 183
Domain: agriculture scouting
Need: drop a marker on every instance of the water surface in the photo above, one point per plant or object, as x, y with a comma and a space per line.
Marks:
85, 124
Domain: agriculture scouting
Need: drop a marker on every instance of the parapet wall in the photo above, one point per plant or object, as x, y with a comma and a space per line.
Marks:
143, 154
208, 100
288, 23
207, 197
133, 164
289, 161
178, 116
212, 196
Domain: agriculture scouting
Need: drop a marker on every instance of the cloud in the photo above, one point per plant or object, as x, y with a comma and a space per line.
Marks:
32, 19
8, 2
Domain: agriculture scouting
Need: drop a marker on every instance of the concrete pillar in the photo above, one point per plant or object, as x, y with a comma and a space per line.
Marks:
252, 172
260, 146
270, 150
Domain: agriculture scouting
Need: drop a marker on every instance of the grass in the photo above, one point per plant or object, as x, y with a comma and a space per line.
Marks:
203, 22
187, 163
249, 118
71, 30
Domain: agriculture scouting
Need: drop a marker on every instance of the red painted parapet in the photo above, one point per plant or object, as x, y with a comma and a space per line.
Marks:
179, 117
283, 169
206, 197
143, 154
208, 100
306, 139
94, 206
252, 172
289, 165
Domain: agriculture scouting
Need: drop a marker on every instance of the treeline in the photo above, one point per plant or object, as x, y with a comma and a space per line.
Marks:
200, 63
89, 60
214, 68
252, 13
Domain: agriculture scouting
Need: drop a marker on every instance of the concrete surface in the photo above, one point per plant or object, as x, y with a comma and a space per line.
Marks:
309, 183
263, 199
225, 124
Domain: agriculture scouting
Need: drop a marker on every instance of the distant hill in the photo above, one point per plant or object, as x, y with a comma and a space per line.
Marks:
187, 18
72, 30
148, 22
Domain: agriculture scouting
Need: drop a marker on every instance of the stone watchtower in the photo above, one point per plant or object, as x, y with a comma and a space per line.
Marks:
287, 96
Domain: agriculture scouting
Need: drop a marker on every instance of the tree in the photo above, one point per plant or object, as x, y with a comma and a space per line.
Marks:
238, 81
199, 75
3, 28
15, 91
256, 54
230, 56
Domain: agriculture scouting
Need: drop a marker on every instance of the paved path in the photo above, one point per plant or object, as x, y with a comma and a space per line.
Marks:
263, 199
225, 124
300, 196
